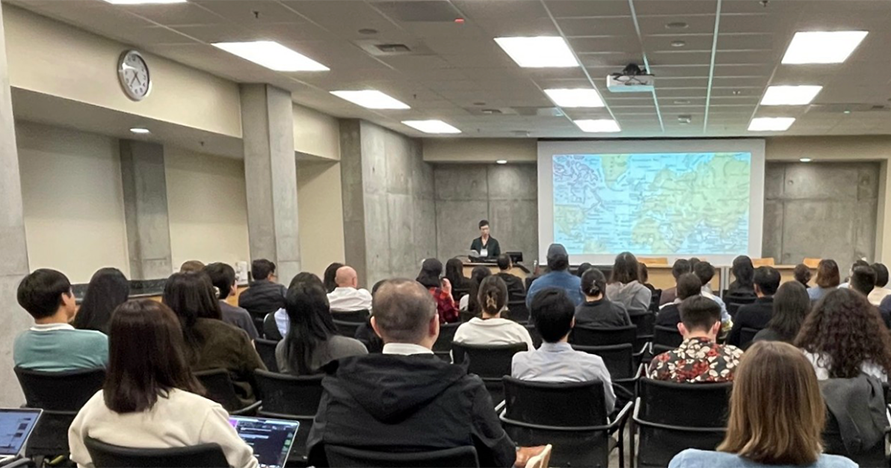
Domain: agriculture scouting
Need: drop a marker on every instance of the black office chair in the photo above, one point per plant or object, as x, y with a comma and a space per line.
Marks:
654, 300
266, 350
291, 397
734, 302
220, 389
619, 361
570, 416
491, 363
671, 417
197, 456
349, 457
666, 339
517, 311
356, 316
458, 293
442, 348
644, 323
746, 335
60, 395
601, 336
534, 334
270, 329
347, 329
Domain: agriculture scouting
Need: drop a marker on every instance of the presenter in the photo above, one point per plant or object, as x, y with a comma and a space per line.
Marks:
485, 245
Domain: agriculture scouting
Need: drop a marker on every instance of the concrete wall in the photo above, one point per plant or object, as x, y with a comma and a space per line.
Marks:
320, 215
820, 210
506, 195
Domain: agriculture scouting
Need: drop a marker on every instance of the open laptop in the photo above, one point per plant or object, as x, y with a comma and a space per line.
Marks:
16, 426
271, 439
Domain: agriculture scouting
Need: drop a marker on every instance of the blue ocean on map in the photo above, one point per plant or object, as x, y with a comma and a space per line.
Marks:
652, 203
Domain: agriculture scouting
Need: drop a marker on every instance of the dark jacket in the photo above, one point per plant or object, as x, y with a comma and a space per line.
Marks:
769, 334
668, 295
736, 289
755, 315
516, 291
263, 297
885, 311
601, 314
492, 248
857, 409
407, 403
240, 318
223, 346
669, 316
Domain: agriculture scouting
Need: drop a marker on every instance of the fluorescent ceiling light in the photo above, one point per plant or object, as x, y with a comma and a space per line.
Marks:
371, 99
501, 161
431, 126
538, 52
140, 130
822, 47
771, 124
790, 95
583, 97
805, 159
272, 55
598, 125
142, 2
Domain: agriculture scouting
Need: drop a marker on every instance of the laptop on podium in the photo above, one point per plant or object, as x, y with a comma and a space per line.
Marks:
16, 426
270, 439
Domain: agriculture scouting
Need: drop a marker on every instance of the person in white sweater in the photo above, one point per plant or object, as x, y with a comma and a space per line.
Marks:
150, 396
491, 329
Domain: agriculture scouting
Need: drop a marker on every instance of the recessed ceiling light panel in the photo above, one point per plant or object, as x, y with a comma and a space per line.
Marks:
597, 125
538, 52
140, 130
790, 95
582, 97
771, 124
371, 99
431, 126
272, 55
822, 47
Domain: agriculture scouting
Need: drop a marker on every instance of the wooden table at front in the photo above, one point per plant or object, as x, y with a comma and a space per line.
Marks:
517, 270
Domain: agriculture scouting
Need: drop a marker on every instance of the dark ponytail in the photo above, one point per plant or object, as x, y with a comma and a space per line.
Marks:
593, 282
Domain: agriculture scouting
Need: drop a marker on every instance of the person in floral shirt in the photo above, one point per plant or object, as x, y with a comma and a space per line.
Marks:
699, 359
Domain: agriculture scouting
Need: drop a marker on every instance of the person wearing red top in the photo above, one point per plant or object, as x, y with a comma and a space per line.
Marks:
440, 288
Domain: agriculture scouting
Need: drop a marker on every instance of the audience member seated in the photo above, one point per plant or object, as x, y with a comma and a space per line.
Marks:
863, 280
743, 284
223, 278
282, 321
645, 277
52, 345
776, 416
857, 263
790, 307
150, 398
470, 303
624, 287
347, 297
558, 276
191, 266
329, 278
670, 314
312, 341
827, 279
264, 295
440, 289
406, 398
365, 333
555, 361
699, 359
880, 291
802, 274
843, 336
705, 271
597, 310
757, 314
516, 290
107, 290
491, 329
680, 267
583, 268
454, 272
210, 342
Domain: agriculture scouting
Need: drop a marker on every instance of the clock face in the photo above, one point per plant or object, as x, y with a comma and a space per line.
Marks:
134, 76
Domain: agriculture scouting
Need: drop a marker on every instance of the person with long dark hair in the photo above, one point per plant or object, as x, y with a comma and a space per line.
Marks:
844, 336
150, 398
210, 342
597, 310
223, 278
454, 272
743, 284
790, 307
312, 340
282, 321
107, 290
625, 288
440, 289
828, 279
490, 328
329, 278
470, 303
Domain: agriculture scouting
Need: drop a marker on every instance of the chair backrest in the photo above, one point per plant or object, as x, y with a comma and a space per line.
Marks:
266, 350
619, 358
517, 311
487, 361
347, 329
59, 391
655, 298
458, 293
289, 396
446, 335
352, 316
534, 334
684, 404
644, 323
576, 404
746, 335
667, 336
219, 388
599, 336
270, 329
812, 262
198, 456
342, 457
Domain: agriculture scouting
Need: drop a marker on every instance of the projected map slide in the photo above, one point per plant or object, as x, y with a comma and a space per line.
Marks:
652, 204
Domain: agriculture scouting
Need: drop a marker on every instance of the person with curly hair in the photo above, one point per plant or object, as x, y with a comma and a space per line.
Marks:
844, 336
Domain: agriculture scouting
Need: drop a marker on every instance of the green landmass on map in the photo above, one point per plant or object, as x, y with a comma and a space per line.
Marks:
568, 217
614, 166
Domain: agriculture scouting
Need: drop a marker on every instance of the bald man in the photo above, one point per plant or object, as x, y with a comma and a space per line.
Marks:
346, 297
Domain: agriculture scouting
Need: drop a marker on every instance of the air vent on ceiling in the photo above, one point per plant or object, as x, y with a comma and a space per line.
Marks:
383, 48
393, 48
522, 111
849, 108
419, 11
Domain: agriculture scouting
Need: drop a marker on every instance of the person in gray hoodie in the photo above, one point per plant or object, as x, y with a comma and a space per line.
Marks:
625, 288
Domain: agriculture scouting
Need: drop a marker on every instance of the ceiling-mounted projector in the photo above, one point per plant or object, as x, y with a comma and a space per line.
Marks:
631, 80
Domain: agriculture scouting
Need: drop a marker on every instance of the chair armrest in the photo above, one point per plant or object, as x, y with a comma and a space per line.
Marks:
643, 349
249, 410
510, 422
292, 417
500, 406
619, 422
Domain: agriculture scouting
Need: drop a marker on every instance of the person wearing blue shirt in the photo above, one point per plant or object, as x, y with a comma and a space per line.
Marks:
558, 276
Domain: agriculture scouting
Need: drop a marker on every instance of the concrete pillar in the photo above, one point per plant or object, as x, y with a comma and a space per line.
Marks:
353, 198
145, 209
270, 172
14, 252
